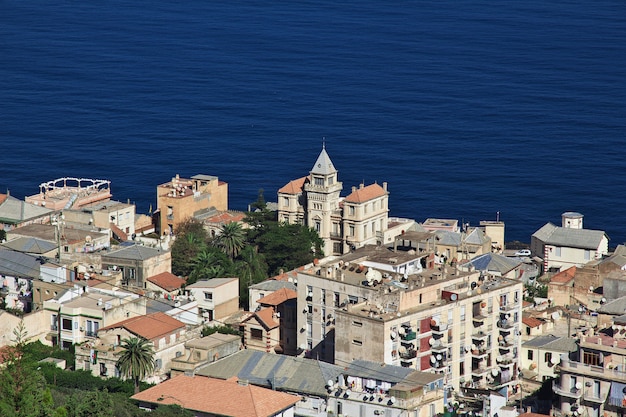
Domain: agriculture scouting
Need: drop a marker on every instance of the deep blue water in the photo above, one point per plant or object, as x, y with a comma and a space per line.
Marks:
464, 108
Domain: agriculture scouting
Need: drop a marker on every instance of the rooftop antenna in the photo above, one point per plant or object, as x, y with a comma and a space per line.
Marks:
323, 142
497, 216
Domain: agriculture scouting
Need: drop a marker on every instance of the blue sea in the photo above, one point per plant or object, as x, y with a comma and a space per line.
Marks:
466, 108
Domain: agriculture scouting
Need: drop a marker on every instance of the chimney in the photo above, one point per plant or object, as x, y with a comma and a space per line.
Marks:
385, 185
361, 186
353, 189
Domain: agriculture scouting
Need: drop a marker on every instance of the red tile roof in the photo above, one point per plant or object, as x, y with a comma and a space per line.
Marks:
265, 317
226, 217
167, 281
294, 187
2, 198
531, 321
361, 195
150, 327
564, 276
604, 340
198, 393
278, 297
118, 232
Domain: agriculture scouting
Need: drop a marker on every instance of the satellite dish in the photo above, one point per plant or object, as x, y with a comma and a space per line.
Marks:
555, 315
433, 359
431, 341
494, 372
473, 346
330, 383
453, 297
439, 357
579, 385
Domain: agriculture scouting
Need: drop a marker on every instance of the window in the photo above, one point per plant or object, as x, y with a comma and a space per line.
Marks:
591, 358
170, 213
66, 324
337, 248
548, 357
357, 324
557, 252
365, 208
318, 226
461, 368
357, 342
208, 296
103, 369
336, 299
158, 363
319, 181
353, 299
530, 355
351, 210
256, 334
350, 230
286, 201
587, 255
462, 313
365, 230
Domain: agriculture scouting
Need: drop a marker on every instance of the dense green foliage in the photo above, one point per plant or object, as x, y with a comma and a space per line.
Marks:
206, 330
536, 290
262, 249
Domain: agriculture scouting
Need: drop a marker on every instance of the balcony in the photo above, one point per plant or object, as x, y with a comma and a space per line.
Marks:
509, 307
439, 329
480, 371
479, 335
479, 353
54, 327
594, 397
438, 346
567, 392
596, 372
408, 354
90, 333
617, 402
408, 335
504, 324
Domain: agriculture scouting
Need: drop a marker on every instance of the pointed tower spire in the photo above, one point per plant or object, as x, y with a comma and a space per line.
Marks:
323, 164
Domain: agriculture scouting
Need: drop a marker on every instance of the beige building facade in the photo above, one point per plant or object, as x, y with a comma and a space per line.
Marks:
182, 198
343, 223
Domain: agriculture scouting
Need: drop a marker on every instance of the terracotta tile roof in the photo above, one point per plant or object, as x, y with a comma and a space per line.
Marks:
167, 281
278, 297
564, 276
197, 393
150, 327
265, 317
526, 304
361, 195
2, 198
118, 232
226, 217
294, 187
531, 321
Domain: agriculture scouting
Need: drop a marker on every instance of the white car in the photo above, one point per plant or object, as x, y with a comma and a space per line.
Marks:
523, 252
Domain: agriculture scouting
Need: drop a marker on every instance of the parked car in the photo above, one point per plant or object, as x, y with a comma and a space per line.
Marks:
523, 252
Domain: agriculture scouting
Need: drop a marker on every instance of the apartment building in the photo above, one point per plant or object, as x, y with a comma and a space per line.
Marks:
593, 382
76, 314
385, 306
343, 223
182, 198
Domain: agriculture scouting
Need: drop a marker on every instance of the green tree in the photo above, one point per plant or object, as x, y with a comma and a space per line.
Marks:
23, 391
231, 239
288, 246
136, 360
210, 263
90, 404
171, 410
191, 239
251, 268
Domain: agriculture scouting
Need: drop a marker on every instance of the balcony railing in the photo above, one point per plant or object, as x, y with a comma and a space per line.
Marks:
409, 354
509, 306
506, 324
593, 397
567, 392
408, 336
597, 372
617, 402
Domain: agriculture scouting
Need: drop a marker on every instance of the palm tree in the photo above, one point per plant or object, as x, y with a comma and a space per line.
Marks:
136, 360
231, 239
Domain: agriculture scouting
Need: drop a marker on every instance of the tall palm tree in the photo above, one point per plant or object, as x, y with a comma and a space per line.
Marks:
231, 239
136, 360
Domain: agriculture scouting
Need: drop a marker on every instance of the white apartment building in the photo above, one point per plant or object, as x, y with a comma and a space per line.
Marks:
384, 306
